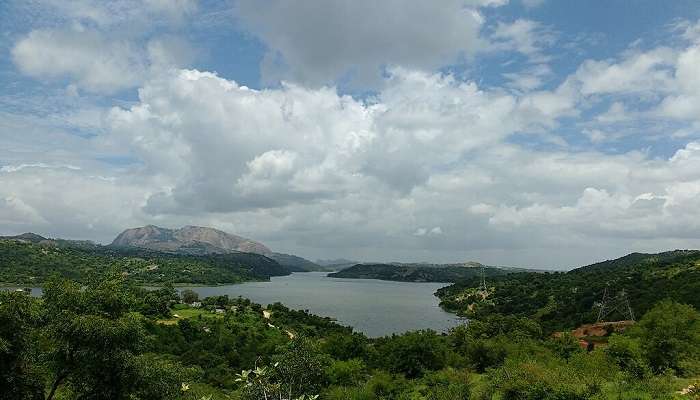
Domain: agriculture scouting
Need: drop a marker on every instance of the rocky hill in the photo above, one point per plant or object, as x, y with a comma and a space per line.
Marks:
203, 241
189, 239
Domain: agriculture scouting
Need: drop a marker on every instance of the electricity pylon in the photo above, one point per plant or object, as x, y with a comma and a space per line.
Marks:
482, 286
611, 304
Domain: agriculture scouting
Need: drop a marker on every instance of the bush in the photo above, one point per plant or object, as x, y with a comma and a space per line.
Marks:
627, 353
413, 353
670, 337
346, 373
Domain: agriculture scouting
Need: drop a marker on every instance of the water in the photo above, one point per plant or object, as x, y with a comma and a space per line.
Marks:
374, 307
35, 291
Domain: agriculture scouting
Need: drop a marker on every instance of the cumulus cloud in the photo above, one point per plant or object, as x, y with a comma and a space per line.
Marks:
103, 47
319, 42
94, 61
246, 147
429, 165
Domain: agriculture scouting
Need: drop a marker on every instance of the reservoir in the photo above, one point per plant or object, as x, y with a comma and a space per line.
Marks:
374, 307
371, 306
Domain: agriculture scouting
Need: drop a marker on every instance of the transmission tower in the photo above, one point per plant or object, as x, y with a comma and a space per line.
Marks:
611, 304
482, 285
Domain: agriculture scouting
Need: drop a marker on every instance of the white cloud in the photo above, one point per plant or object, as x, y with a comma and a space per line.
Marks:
638, 72
311, 171
524, 36
685, 102
94, 62
103, 47
425, 166
248, 148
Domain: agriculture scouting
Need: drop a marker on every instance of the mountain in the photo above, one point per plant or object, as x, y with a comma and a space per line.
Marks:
30, 237
189, 239
419, 272
565, 300
202, 241
26, 237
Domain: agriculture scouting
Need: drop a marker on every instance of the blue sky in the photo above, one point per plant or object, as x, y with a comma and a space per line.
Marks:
524, 132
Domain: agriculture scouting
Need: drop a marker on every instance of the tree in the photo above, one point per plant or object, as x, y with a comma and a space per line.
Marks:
92, 342
413, 353
670, 337
189, 296
297, 373
628, 355
158, 302
19, 378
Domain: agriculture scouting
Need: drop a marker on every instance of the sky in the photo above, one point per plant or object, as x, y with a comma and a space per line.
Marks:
538, 133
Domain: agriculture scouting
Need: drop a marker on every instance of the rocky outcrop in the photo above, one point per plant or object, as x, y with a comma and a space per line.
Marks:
189, 239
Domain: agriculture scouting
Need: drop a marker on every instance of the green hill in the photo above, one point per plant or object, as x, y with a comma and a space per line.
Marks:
31, 262
418, 272
562, 300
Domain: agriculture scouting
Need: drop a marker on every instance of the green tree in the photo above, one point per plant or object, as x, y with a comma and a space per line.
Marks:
297, 373
19, 378
158, 302
92, 342
670, 337
413, 353
628, 355
189, 296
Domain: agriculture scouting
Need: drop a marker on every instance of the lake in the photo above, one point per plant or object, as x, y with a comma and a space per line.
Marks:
374, 307
371, 306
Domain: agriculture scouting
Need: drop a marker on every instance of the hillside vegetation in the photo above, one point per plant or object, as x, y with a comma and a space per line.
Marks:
418, 272
107, 339
564, 300
28, 263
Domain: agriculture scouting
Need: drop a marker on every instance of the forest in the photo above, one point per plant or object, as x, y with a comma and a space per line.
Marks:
419, 272
26, 263
562, 300
106, 338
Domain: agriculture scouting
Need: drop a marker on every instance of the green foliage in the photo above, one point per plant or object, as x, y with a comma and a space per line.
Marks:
92, 342
97, 340
580, 378
19, 378
29, 263
564, 345
486, 343
412, 353
297, 373
189, 296
417, 272
670, 337
157, 303
346, 373
627, 353
344, 346
562, 301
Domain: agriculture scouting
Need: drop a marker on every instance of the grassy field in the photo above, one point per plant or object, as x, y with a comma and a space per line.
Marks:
186, 313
